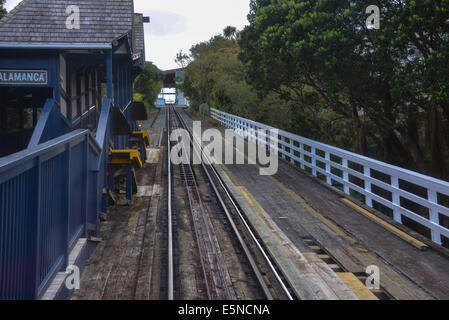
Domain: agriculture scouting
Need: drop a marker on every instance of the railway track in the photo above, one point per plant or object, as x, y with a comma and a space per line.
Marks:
216, 276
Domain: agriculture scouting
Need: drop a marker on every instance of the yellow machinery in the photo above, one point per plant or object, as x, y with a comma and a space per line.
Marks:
124, 162
141, 136
127, 156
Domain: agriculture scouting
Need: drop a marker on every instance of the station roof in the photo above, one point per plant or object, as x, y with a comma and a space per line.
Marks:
170, 77
139, 36
37, 22
172, 71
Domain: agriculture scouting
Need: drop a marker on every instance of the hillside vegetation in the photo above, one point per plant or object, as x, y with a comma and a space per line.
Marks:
315, 69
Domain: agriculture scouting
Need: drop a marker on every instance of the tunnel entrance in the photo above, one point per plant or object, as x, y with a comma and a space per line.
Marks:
20, 109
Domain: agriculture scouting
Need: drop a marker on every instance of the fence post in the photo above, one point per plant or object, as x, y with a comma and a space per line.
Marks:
328, 168
282, 147
345, 176
36, 270
66, 215
86, 184
368, 199
396, 199
301, 156
434, 216
314, 172
268, 140
292, 151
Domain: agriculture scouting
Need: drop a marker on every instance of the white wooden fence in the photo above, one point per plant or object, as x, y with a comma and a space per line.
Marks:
397, 191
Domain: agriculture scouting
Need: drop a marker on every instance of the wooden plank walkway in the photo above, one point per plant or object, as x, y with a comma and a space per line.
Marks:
309, 209
309, 277
121, 266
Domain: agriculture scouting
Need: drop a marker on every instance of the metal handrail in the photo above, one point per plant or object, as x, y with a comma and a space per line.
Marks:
43, 210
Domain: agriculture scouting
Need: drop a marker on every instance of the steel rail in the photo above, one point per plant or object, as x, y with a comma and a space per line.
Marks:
247, 227
259, 246
169, 213
197, 236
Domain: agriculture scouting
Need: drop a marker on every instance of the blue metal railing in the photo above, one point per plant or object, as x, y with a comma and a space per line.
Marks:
51, 124
50, 196
104, 137
44, 209
87, 120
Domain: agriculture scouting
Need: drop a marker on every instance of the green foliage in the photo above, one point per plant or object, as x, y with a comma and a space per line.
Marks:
321, 56
217, 77
204, 109
182, 59
2, 9
230, 32
148, 85
138, 97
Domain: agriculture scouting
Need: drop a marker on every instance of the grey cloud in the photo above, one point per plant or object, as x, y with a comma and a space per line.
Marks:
165, 23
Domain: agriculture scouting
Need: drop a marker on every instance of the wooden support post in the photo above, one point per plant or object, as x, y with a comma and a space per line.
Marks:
109, 76
78, 94
86, 90
99, 92
116, 85
69, 89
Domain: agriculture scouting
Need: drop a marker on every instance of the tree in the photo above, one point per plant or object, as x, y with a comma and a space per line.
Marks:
230, 32
2, 9
182, 59
394, 77
215, 77
148, 85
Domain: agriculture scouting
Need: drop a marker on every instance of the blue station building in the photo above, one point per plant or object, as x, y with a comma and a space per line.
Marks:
68, 130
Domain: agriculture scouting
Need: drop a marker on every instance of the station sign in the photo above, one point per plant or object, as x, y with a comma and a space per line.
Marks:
38, 77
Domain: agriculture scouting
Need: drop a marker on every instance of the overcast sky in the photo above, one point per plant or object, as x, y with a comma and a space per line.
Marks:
179, 24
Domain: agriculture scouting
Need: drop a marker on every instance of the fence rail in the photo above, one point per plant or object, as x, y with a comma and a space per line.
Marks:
43, 210
51, 124
50, 196
400, 193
